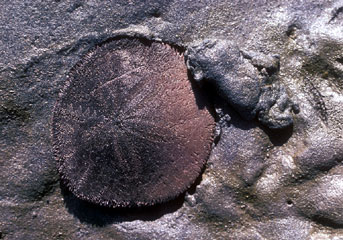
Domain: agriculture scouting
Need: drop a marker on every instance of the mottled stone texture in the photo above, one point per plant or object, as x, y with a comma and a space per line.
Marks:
265, 179
247, 81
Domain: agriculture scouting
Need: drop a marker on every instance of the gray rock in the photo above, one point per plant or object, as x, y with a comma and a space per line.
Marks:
220, 62
247, 81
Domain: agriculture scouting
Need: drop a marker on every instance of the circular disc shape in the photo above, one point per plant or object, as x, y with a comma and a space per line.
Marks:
129, 129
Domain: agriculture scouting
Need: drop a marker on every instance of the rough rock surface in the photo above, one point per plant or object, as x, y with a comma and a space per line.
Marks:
248, 81
262, 181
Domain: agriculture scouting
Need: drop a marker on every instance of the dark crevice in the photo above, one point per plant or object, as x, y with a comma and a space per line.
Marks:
289, 202
291, 30
322, 220
203, 95
273, 70
278, 137
336, 13
340, 60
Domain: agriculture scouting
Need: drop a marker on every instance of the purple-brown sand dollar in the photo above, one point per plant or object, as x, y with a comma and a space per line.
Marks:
129, 129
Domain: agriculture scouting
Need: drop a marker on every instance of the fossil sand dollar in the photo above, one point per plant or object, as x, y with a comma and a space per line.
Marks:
128, 128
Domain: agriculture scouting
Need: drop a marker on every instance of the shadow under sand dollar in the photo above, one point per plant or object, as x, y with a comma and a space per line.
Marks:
101, 216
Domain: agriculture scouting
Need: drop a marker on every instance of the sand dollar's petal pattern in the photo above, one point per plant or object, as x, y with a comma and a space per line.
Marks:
129, 128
